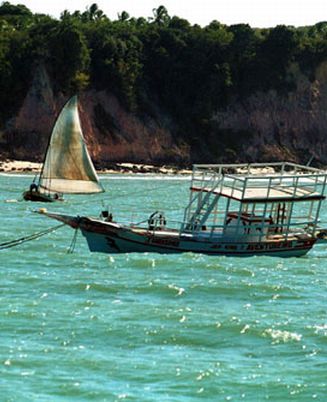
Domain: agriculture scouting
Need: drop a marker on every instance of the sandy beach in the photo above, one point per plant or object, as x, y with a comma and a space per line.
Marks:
17, 166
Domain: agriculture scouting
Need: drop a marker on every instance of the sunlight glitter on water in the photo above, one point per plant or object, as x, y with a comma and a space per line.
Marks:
148, 327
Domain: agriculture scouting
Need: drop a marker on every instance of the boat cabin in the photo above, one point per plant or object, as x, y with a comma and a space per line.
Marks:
254, 202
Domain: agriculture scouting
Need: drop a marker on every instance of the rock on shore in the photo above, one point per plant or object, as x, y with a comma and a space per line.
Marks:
17, 166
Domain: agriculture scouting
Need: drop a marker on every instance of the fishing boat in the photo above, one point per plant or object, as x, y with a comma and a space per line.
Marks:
233, 209
67, 166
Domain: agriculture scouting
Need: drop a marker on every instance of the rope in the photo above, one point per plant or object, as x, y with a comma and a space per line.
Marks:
73, 243
25, 239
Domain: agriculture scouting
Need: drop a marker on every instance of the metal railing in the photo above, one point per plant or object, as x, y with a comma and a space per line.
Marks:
311, 182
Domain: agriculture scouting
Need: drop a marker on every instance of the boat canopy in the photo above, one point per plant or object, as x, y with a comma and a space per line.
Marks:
261, 183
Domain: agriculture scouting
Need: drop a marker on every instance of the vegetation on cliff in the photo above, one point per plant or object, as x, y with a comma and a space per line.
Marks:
186, 70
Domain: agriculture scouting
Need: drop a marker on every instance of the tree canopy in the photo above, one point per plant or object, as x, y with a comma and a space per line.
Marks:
188, 70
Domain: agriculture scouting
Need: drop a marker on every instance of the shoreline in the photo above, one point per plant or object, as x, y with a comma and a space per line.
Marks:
18, 166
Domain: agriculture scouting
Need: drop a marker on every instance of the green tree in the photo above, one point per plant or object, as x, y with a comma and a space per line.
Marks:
275, 54
160, 16
70, 55
93, 13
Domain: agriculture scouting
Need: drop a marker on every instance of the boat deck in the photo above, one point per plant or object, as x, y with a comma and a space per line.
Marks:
205, 235
262, 194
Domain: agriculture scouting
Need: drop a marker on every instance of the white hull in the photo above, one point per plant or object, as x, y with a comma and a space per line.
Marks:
125, 242
112, 238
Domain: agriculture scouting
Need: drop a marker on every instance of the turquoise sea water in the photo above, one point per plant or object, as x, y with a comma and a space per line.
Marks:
149, 327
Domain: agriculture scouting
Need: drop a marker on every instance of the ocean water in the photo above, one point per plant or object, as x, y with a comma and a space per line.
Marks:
84, 326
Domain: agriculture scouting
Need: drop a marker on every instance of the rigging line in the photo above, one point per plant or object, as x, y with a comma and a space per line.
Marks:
34, 236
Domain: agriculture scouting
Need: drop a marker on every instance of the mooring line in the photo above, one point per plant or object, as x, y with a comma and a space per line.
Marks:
73, 243
34, 236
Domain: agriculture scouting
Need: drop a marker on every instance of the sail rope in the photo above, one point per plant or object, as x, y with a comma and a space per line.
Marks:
34, 236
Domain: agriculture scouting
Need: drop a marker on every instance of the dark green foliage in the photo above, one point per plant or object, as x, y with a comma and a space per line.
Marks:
186, 71
274, 56
15, 71
313, 47
116, 57
69, 54
17, 17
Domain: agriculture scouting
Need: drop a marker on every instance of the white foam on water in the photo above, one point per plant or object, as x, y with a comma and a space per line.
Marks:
282, 336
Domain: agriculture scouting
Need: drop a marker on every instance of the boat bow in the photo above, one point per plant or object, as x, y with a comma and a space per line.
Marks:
72, 221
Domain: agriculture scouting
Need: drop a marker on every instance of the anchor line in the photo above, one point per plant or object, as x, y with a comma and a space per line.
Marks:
34, 236
73, 243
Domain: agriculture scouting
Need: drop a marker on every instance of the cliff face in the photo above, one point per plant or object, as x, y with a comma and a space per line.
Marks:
112, 133
265, 126
282, 127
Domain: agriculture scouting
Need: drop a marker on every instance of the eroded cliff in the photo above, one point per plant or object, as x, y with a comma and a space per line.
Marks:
292, 126
263, 126
111, 132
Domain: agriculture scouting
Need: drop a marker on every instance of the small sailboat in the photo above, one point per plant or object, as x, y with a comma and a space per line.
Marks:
67, 166
235, 210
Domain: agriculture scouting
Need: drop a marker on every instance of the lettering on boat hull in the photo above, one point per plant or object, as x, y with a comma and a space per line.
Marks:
164, 241
128, 241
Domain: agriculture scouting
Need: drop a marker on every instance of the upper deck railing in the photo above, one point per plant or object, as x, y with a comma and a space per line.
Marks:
259, 182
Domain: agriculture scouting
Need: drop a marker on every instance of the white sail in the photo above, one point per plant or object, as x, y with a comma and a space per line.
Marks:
68, 167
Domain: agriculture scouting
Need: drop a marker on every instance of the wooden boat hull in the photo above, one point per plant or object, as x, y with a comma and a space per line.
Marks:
112, 238
37, 196
40, 197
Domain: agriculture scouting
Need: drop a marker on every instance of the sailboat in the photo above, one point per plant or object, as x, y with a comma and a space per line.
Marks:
67, 166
